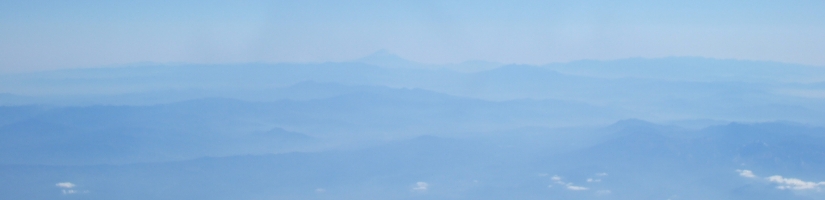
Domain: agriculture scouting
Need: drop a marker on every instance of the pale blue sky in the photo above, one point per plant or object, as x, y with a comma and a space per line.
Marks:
38, 35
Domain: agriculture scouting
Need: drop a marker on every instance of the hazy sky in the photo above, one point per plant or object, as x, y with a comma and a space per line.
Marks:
37, 35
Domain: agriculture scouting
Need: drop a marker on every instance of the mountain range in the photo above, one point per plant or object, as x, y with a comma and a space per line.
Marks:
383, 127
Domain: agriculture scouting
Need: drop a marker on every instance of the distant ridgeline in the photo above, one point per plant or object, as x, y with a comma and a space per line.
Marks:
655, 89
386, 128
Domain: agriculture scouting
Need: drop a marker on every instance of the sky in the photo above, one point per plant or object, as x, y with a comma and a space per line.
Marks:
45, 35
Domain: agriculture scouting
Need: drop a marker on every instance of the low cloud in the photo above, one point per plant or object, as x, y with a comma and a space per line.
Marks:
785, 183
557, 179
575, 188
66, 188
65, 185
746, 173
591, 180
794, 184
421, 186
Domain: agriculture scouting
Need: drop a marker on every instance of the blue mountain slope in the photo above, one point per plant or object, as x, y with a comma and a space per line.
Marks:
384, 171
650, 162
220, 127
634, 165
780, 147
11, 114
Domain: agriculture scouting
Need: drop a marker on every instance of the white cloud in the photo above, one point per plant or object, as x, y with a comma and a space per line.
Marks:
556, 179
66, 185
794, 184
602, 174
576, 188
603, 192
785, 183
421, 186
746, 173
70, 191
67, 188
590, 180
320, 190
